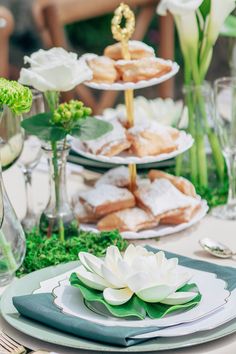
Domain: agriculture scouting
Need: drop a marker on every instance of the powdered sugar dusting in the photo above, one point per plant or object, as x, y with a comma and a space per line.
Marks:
105, 193
161, 196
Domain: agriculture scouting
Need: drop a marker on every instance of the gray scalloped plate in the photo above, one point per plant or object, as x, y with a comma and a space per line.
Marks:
30, 282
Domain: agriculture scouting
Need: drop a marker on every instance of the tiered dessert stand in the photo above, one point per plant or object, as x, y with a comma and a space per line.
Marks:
185, 141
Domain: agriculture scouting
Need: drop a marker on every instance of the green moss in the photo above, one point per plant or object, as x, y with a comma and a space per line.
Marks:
43, 252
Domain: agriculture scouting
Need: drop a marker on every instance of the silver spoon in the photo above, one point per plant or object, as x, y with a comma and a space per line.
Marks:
216, 248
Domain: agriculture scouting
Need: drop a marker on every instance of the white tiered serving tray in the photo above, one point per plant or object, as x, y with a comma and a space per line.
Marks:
122, 86
161, 230
185, 141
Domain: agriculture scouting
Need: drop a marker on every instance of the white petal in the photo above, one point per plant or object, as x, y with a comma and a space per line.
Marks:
91, 262
112, 277
155, 293
179, 298
160, 256
30, 78
92, 280
138, 281
117, 296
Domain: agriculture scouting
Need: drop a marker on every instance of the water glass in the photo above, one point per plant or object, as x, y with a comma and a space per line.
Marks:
225, 121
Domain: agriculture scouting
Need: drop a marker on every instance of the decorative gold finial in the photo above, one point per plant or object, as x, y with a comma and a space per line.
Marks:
122, 34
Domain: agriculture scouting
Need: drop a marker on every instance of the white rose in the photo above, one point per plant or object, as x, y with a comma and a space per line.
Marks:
220, 10
178, 7
54, 70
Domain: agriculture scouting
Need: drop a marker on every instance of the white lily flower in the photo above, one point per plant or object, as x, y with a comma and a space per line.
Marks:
220, 10
184, 12
178, 7
152, 277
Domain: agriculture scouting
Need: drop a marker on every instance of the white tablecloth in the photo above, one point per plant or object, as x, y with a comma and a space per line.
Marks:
184, 243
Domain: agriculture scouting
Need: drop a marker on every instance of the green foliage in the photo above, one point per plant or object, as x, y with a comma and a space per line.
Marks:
91, 128
69, 113
135, 307
205, 8
43, 126
43, 252
14, 95
229, 28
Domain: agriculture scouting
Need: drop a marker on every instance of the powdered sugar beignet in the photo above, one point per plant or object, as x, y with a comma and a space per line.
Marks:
134, 219
142, 69
151, 138
137, 50
103, 69
118, 176
111, 143
180, 183
105, 199
161, 196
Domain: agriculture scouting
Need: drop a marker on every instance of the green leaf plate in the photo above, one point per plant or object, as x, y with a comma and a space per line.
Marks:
135, 307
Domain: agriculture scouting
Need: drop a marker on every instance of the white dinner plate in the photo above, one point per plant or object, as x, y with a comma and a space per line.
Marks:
160, 230
223, 315
214, 295
33, 329
184, 141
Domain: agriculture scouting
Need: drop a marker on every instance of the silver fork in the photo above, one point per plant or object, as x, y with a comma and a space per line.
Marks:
9, 346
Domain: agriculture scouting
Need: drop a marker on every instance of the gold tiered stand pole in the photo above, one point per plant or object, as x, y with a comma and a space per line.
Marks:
123, 34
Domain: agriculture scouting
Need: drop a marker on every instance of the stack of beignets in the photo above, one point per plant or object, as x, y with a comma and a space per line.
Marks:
146, 139
159, 199
111, 67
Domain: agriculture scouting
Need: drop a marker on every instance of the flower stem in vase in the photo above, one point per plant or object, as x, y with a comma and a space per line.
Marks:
57, 189
7, 253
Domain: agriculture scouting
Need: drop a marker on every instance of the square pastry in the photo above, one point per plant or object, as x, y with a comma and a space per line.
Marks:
161, 197
111, 143
105, 199
151, 138
141, 69
134, 219
181, 183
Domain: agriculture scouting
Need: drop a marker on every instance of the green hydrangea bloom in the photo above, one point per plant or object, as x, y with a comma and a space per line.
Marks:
68, 113
16, 96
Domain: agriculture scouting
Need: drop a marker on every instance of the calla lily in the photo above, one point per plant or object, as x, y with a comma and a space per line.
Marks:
178, 7
220, 10
185, 20
152, 277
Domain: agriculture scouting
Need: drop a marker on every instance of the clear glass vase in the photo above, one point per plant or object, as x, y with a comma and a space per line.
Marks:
12, 137
203, 163
12, 238
58, 217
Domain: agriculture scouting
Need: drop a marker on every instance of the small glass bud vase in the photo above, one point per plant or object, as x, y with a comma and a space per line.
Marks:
12, 138
58, 217
12, 239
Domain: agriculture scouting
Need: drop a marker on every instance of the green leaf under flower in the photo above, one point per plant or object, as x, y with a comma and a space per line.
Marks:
41, 126
135, 307
91, 128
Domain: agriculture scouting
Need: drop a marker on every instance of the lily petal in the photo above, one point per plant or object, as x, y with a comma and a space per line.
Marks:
179, 298
92, 280
112, 277
91, 262
117, 296
155, 293
136, 281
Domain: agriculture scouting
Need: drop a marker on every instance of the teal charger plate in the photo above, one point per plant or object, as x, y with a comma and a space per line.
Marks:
29, 283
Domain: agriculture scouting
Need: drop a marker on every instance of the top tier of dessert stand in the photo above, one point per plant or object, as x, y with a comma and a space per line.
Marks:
122, 35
